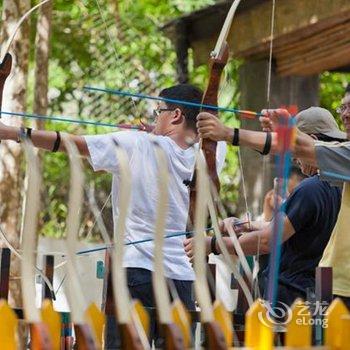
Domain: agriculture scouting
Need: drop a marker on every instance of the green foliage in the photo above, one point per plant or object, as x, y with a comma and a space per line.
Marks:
332, 87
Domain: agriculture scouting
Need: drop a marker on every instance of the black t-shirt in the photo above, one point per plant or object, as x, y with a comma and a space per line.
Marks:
312, 209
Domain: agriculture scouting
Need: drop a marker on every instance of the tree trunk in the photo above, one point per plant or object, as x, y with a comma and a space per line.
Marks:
41, 83
42, 51
14, 99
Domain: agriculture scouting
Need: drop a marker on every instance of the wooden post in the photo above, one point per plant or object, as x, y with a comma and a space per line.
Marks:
49, 262
211, 277
324, 296
108, 306
324, 284
5, 262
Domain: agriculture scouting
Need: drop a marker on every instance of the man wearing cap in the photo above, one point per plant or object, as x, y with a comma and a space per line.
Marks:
309, 214
333, 161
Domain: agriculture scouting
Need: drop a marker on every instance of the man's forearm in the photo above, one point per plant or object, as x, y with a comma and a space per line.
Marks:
304, 145
252, 139
305, 148
46, 139
252, 243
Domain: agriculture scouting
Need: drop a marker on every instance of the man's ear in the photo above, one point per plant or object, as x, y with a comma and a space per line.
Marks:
178, 117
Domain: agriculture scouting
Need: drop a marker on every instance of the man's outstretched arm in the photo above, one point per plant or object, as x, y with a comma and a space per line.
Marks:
211, 127
44, 139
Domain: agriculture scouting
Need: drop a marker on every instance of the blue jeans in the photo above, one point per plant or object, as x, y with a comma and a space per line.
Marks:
141, 288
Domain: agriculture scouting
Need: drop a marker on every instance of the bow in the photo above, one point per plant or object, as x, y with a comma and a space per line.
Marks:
218, 60
133, 335
5, 70
174, 320
40, 337
84, 335
214, 337
240, 254
18, 25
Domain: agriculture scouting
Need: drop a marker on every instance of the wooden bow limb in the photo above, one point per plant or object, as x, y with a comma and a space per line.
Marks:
218, 60
132, 332
228, 258
85, 337
245, 285
6, 58
132, 318
39, 332
174, 339
214, 336
18, 25
221, 315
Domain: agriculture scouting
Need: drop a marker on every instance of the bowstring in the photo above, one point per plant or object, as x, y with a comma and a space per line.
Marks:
269, 74
264, 158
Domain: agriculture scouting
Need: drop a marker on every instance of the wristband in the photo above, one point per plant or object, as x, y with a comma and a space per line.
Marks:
57, 143
213, 246
267, 147
235, 139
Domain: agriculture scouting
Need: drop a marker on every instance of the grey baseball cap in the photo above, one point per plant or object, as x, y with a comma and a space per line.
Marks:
317, 120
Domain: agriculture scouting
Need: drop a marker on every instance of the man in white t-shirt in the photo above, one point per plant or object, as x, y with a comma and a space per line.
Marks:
174, 126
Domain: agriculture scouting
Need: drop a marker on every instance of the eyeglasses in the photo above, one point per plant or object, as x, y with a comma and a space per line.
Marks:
343, 108
158, 111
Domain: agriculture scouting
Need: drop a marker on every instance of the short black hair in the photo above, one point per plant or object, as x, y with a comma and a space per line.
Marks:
188, 93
